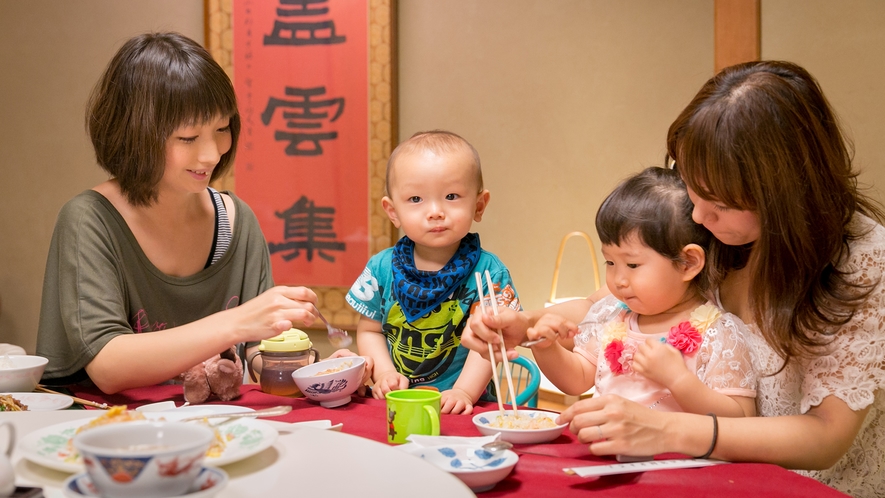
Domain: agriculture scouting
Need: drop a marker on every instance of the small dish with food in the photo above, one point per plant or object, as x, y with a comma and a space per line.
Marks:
525, 427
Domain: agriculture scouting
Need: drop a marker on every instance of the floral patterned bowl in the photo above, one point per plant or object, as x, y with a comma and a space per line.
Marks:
144, 459
331, 382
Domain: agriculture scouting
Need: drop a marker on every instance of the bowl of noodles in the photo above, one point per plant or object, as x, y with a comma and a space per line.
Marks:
331, 382
20, 373
525, 427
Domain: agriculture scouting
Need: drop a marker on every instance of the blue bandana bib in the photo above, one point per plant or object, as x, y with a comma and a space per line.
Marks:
419, 292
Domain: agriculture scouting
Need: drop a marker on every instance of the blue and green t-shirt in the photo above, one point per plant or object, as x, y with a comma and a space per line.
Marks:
427, 349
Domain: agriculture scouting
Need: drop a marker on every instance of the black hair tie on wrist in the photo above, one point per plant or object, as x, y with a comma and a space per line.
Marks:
715, 437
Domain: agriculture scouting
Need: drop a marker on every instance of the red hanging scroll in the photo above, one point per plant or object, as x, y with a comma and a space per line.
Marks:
303, 162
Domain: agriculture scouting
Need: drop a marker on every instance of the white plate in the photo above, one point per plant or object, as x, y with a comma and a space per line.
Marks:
50, 446
193, 411
208, 483
40, 402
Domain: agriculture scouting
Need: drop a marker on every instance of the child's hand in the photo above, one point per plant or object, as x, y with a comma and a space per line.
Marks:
551, 327
367, 373
456, 401
389, 381
659, 362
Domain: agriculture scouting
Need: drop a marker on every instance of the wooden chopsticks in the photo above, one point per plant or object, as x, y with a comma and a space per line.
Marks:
80, 401
494, 303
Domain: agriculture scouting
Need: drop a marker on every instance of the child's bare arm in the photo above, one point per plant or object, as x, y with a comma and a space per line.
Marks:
567, 370
663, 364
371, 342
474, 377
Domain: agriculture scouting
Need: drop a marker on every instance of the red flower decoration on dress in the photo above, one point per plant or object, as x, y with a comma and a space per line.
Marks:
685, 338
613, 355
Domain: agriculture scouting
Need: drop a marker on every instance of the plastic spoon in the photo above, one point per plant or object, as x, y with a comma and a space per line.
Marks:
337, 338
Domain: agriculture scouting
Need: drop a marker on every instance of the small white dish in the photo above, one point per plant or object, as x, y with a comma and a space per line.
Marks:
42, 402
286, 427
477, 467
188, 411
209, 482
484, 421
160, 406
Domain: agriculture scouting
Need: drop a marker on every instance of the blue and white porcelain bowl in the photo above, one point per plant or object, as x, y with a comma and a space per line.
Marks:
477, 467
331, 382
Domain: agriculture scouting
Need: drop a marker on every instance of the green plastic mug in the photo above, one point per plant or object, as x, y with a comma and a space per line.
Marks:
412, 411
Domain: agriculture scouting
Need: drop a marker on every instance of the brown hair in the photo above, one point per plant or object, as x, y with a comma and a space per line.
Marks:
155, 83
762, 137
654, 205
439, 142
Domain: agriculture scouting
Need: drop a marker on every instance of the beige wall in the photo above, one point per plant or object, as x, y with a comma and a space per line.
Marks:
51, 53
842, 44
561, 98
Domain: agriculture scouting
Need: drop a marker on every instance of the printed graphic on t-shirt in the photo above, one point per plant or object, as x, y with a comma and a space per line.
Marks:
424, 349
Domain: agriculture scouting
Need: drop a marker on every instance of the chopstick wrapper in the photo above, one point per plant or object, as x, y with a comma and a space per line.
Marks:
628, 468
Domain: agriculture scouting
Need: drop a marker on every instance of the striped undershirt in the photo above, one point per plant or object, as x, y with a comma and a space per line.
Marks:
221, 240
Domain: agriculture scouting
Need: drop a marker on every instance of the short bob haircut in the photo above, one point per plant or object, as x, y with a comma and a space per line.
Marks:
439, 142
654, 206
761, 137
155, 83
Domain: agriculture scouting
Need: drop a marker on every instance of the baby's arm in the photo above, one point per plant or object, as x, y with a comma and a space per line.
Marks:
567, 370
663, 364
371, 342
474, 377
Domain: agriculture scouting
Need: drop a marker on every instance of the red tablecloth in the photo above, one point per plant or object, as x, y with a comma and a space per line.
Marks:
534, 475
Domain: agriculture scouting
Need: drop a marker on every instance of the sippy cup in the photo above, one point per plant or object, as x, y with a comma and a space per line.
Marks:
280, 356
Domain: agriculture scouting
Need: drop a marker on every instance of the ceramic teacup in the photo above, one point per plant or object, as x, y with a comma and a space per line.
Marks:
144, 459
412, 411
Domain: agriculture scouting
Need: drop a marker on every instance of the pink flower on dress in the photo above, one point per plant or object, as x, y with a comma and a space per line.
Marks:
613, 355
685, 338
626, 359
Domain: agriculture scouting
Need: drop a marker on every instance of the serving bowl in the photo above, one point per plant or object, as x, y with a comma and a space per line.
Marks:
484, 423
478, 468
331, 382
21, 373
144, 459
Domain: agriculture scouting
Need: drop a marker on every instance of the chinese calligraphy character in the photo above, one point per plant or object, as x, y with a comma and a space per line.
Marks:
307, 228
304, 114
303, 33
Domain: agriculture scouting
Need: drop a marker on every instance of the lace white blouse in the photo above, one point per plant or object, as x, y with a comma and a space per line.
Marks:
853, 371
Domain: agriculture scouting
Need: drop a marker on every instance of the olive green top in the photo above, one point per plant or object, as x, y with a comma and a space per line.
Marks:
99, 284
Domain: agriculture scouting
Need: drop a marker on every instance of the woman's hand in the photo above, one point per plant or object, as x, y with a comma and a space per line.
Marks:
274, 311
612, 425
482, 330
